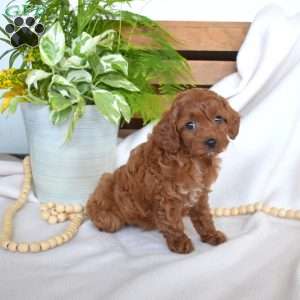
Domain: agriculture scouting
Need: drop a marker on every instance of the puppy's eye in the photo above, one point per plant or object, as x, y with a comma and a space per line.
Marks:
190, 125
219, 120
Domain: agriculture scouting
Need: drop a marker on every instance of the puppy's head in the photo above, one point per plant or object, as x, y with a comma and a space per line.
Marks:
199, 121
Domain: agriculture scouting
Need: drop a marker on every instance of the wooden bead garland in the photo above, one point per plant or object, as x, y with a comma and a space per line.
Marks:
256, 207
57, 213
51, 212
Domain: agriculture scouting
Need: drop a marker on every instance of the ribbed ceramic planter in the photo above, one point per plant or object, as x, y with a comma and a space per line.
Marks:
68, 172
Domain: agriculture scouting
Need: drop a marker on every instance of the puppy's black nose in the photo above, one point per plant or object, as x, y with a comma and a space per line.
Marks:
211, 143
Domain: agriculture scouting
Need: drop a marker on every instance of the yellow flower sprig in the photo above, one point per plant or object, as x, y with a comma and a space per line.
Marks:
10, 78
9, 95
14, 81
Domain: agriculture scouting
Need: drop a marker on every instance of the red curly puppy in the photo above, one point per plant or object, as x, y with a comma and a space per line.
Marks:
170, 175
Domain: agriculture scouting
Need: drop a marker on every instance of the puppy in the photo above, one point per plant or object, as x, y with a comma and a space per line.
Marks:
170, 175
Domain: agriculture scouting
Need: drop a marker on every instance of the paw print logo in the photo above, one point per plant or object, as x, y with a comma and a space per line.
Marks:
24, 32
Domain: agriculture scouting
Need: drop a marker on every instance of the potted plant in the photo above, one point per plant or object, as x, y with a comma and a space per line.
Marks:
84, 78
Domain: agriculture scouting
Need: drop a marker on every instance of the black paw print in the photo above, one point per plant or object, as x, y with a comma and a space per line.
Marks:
27, 33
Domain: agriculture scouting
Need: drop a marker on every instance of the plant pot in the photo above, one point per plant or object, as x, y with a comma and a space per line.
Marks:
68, 171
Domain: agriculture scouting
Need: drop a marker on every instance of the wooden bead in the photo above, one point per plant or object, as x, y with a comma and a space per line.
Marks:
282, 213
234, 211
274, 211
65, 237
61, 217
250, 208
70, 234
52, 220
23, 196
12, 246
69, 208
45, 245
297, 214
35, 247
226, 212
77, 208
50, 204
5, 244
75, 218
26, 187
43, 207
17, 205
266, 209
73, 227
290, 214
52, 242
60, 208
219, 212
53, 212
23, 247
242, 210
258, 206
26, 184
58, 240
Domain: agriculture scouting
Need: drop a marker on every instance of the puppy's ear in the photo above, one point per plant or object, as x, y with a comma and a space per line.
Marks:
233, 120
165, 132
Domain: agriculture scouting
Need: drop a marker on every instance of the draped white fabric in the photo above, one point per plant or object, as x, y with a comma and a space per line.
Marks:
261, 258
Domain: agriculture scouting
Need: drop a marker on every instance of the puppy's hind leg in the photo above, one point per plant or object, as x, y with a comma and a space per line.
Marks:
101, 207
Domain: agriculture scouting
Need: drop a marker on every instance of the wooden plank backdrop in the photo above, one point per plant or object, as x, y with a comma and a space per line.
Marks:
210, 48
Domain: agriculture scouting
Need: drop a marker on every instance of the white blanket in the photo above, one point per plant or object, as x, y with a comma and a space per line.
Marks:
261, 258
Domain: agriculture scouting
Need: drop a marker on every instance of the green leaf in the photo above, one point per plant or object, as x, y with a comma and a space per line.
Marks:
58, 117
52, 45
78, 112
109, 63
57, 79
5, 41
106, 39
75, 76
13, 57
81, 44
117, 61
85, 45
74, 62
106, 103
124, 108
9, 20
83, 87
34, 76
6, 52
36, 100
13, 104
58, 102
65, 88
4, 32
118, 81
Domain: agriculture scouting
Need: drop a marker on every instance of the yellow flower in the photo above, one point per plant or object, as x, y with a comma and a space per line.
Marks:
31, 55
9, 95
11, 77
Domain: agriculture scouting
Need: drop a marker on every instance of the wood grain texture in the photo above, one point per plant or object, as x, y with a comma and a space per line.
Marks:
207, 73
210, 72
203, 36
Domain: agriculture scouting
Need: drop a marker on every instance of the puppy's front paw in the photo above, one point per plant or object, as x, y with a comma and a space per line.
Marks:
214, 238
180, 244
